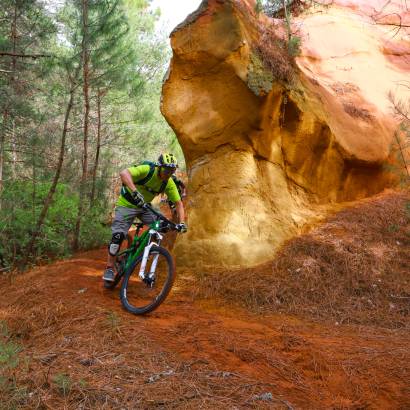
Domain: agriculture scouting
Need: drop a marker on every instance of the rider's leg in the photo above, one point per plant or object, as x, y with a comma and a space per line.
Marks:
145, 216
122, 222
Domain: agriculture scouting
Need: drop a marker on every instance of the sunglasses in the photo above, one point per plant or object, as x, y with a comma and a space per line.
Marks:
168, 170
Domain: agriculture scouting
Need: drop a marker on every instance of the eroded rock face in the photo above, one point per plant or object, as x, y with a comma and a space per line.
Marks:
269, 146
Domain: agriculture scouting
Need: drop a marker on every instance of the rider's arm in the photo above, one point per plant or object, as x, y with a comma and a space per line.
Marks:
126, 179
131, 174
182, 188
179, 206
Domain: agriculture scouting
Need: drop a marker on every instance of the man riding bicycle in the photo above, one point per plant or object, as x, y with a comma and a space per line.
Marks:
182, 193
140, 184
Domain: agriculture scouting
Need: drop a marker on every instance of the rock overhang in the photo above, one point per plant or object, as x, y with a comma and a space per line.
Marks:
262, 150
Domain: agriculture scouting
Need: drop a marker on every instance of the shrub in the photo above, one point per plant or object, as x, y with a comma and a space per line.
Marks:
294, 46
18, 218
63, 383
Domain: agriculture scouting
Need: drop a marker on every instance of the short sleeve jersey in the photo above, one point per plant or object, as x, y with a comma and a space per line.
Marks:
141, 171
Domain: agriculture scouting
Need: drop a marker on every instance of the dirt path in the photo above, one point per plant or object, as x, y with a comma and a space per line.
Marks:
82, 350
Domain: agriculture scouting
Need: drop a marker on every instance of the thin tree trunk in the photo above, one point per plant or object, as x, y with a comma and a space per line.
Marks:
97, 152
287, 20
43, 214
397, 136
34, 184
13, 38
85, 59
12, 83
2, 150
13, 150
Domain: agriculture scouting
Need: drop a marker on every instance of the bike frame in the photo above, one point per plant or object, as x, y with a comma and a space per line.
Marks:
135, 251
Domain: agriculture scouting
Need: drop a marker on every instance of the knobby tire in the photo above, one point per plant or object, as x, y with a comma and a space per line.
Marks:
132, 274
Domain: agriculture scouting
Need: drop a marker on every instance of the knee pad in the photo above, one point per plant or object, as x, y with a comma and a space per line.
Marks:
114, 245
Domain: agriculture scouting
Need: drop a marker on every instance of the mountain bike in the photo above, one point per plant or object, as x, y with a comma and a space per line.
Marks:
147, 269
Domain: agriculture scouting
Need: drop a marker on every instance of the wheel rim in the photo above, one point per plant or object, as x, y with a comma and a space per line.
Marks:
143, 293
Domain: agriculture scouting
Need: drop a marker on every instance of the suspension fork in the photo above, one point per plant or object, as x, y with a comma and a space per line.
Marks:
145, 255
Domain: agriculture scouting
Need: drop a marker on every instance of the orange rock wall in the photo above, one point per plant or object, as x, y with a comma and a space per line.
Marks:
265, 154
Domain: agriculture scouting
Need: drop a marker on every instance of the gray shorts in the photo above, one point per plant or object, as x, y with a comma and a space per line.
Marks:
124, 217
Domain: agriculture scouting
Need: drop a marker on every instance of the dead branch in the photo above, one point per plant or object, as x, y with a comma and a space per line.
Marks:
33, 56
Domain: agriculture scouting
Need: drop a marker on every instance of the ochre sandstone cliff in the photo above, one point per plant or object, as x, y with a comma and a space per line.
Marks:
270, 143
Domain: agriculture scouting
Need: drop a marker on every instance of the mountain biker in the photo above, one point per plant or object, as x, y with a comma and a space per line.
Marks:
181, 190
140, 184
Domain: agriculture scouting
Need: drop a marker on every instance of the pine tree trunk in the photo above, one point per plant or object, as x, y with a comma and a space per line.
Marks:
97, 152
85, 58
43, 214
13, 150
2, 151
13, 63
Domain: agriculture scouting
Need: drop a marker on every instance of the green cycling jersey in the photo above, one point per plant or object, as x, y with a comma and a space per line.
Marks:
139, 172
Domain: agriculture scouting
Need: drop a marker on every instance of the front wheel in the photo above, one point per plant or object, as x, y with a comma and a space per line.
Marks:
140, 296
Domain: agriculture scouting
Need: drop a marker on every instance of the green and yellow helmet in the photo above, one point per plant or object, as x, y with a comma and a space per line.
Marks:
168, 160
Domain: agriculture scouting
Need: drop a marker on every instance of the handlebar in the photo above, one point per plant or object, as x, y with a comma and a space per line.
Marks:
149, 207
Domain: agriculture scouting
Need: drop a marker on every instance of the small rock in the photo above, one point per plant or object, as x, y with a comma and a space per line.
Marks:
82, 290
47, 359
156, 377
87, 361
153, 378
264, 396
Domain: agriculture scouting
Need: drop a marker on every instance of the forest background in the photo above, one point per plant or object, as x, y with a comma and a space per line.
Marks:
80, 87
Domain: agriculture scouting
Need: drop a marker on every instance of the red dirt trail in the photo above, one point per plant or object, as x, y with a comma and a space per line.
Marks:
189, 354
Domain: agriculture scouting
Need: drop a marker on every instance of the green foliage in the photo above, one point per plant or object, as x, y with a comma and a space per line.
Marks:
128, 60
393, 228
64, 383
11, 393
258, 6
294, 46
114, 321
277, 8
408, 209
272, 7
259, 78
17, 218
9, 355
4, 332
94, 229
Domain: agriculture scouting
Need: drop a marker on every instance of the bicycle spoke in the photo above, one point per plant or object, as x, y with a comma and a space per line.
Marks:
143, 292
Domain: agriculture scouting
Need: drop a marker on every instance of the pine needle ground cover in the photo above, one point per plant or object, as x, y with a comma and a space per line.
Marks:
353, 269
65, 342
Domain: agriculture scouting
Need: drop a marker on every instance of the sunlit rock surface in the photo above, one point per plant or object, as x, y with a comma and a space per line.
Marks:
269, 150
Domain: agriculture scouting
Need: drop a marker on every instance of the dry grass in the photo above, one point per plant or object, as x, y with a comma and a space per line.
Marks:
77, 370
354, 269
273, 51
66, 345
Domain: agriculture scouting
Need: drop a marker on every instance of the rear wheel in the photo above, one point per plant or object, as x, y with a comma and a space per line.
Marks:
141, 296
